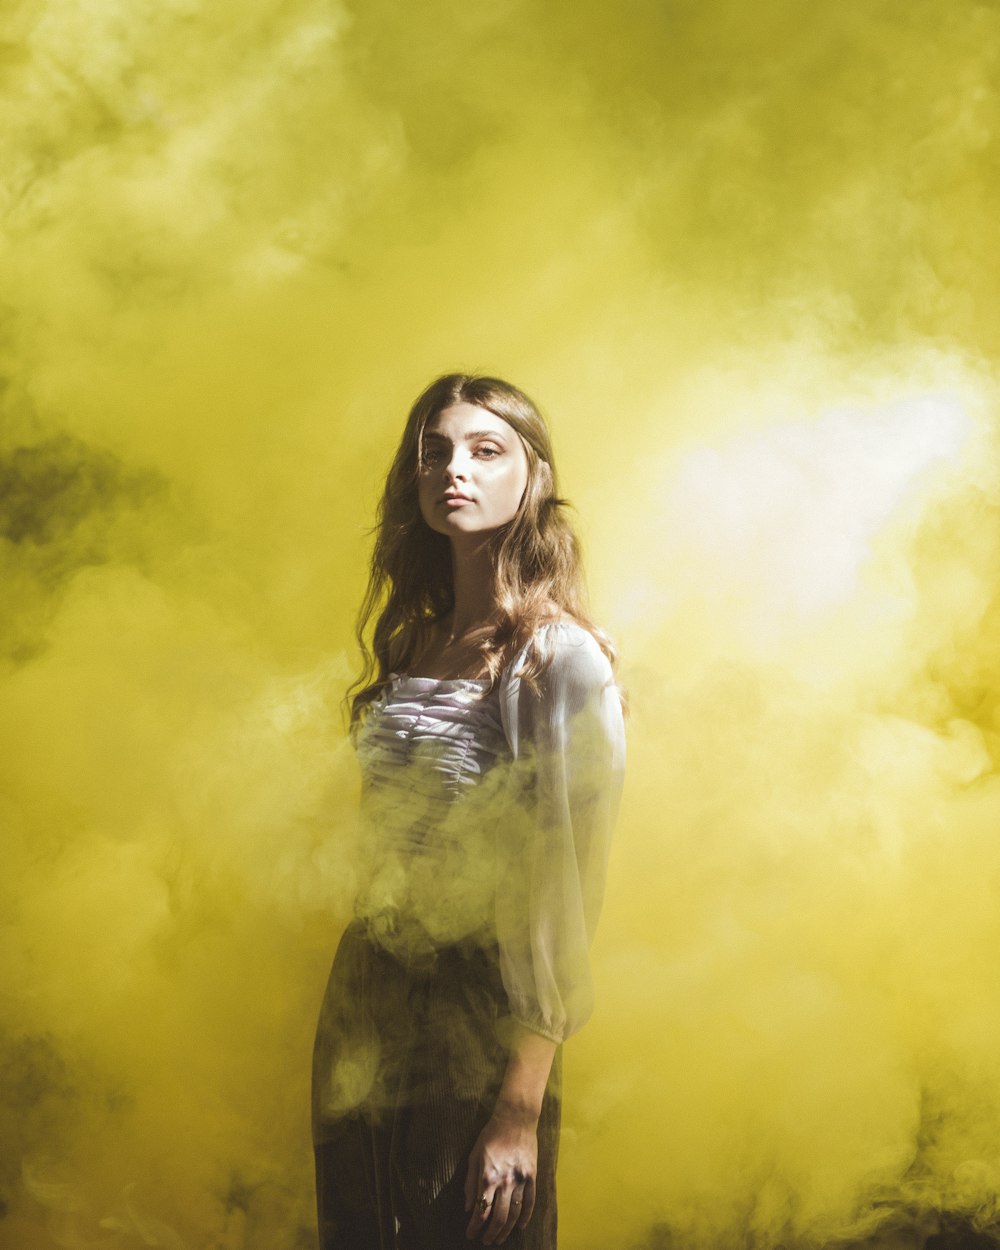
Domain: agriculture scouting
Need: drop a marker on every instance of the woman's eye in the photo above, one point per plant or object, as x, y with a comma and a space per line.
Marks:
488, 452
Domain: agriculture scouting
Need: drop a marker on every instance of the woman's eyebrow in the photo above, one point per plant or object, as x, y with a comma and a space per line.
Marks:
430, 435
484, 434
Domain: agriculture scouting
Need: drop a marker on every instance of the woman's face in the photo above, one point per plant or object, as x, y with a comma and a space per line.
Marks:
473, 474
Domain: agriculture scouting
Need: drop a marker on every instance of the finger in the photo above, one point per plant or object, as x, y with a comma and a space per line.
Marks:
480, 1212
516, 1204
471, 1176
529, 1202
498, 1217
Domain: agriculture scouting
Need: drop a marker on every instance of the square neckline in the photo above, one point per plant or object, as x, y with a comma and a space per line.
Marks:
396, 679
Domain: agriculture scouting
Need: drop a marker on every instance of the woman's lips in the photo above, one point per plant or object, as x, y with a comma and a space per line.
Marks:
455, 501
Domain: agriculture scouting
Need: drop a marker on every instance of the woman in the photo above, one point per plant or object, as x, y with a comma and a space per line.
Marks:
489, 733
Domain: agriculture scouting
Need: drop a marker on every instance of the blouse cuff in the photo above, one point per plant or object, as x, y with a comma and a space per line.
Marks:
535, 1025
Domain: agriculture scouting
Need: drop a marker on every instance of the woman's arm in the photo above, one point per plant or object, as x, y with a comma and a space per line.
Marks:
504, 1160
567, 740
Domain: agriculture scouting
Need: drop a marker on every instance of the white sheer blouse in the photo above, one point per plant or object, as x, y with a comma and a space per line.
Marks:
489, 814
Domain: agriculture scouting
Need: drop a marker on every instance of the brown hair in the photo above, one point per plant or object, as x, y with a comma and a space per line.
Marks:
536, 556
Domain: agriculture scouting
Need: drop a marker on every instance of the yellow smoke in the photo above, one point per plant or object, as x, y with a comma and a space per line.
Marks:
741, 255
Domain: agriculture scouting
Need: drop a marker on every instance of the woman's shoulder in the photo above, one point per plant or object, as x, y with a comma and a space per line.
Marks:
568, 649
565, 632
561, 671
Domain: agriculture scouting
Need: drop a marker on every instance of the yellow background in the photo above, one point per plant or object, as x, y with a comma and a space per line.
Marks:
743, 255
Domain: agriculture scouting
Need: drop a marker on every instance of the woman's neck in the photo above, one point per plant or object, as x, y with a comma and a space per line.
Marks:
472, 572
453, 650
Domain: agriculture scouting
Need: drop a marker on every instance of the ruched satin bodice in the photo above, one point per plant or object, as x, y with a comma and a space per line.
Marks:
427, 752
430, 738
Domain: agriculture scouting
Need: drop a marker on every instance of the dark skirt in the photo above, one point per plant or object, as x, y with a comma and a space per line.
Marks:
407, 1065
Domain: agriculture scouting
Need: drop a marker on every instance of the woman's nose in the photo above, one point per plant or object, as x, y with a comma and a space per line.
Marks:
455, 470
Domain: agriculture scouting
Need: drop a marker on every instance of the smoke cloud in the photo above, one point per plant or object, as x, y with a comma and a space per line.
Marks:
742, 257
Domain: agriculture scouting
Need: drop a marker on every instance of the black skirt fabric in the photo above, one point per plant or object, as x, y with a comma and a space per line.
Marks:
407, 1066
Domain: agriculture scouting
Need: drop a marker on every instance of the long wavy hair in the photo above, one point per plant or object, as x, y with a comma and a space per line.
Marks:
537, 569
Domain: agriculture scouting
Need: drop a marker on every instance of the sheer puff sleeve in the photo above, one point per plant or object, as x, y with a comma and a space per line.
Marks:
568, 744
